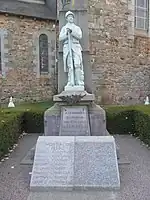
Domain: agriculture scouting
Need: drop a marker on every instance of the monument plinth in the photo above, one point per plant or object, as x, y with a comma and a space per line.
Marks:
76, 151
68, 163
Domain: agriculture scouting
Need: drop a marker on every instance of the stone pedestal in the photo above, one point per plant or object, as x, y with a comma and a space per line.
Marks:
74, 88
67, 163
93, 122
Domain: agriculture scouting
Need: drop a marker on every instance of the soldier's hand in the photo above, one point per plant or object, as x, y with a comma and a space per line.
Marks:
69, 30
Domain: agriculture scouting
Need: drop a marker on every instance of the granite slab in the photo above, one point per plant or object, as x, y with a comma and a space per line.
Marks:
74, 195
74, 121
69, 162
53, 164
96, 164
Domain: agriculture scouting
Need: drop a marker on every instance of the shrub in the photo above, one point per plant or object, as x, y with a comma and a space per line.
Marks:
133, 120
142, 126
10, 129
34, 121
120, 120
13, 121
33, 118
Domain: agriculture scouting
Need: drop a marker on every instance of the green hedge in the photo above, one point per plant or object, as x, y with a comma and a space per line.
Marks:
13, 121
120, 120
133, 120
142, 126
34, 121
10, 129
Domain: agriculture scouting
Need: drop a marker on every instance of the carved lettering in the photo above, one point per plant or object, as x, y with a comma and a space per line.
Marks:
53, 164
74, 121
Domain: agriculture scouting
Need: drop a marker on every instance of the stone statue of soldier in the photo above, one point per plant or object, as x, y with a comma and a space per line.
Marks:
70, 35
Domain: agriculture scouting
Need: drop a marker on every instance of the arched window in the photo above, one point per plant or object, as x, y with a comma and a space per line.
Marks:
141, 14
43, 53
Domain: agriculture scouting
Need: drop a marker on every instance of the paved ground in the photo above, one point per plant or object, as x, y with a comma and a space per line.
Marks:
135, 178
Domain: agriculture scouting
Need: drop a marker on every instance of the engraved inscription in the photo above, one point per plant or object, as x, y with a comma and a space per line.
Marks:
74, 121
53, 164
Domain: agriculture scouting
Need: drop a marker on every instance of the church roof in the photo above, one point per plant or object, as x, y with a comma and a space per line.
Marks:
37, 10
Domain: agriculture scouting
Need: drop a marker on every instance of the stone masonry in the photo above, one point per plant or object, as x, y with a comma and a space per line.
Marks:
120, 63
21, 77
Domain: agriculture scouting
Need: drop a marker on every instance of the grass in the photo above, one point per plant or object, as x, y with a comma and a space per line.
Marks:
26, 106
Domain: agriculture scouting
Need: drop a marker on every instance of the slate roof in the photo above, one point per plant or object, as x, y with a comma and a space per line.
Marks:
41, 11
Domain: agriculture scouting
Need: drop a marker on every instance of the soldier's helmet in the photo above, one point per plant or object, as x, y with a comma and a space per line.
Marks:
69, 13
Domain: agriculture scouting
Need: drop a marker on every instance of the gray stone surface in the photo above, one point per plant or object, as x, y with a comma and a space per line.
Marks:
86, 96
53, 164
135, 179
97, 119
66, 163
74, 195
29, 157
96, 163
52, 120
74, 121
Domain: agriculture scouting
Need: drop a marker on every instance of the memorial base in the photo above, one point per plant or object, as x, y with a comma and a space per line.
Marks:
76, 114
93, 120
67, 163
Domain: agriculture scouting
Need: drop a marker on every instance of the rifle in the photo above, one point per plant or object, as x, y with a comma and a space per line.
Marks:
71, 59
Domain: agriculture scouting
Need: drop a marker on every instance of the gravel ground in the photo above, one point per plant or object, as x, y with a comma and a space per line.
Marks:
135, 178
14, 182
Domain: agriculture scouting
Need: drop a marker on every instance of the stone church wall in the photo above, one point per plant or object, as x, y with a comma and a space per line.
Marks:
120, 57
20, 67
120, 61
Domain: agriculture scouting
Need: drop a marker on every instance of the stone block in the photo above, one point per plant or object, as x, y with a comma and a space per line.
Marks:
52, 121
53, 164
96, 163
67, 163
74, 121
97, 118
74, 195
74, 88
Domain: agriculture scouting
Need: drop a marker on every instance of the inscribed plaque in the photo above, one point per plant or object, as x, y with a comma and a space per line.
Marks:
96, 163
74, 121
53, 163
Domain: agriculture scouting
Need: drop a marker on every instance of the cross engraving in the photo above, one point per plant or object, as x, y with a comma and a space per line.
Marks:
65, 2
